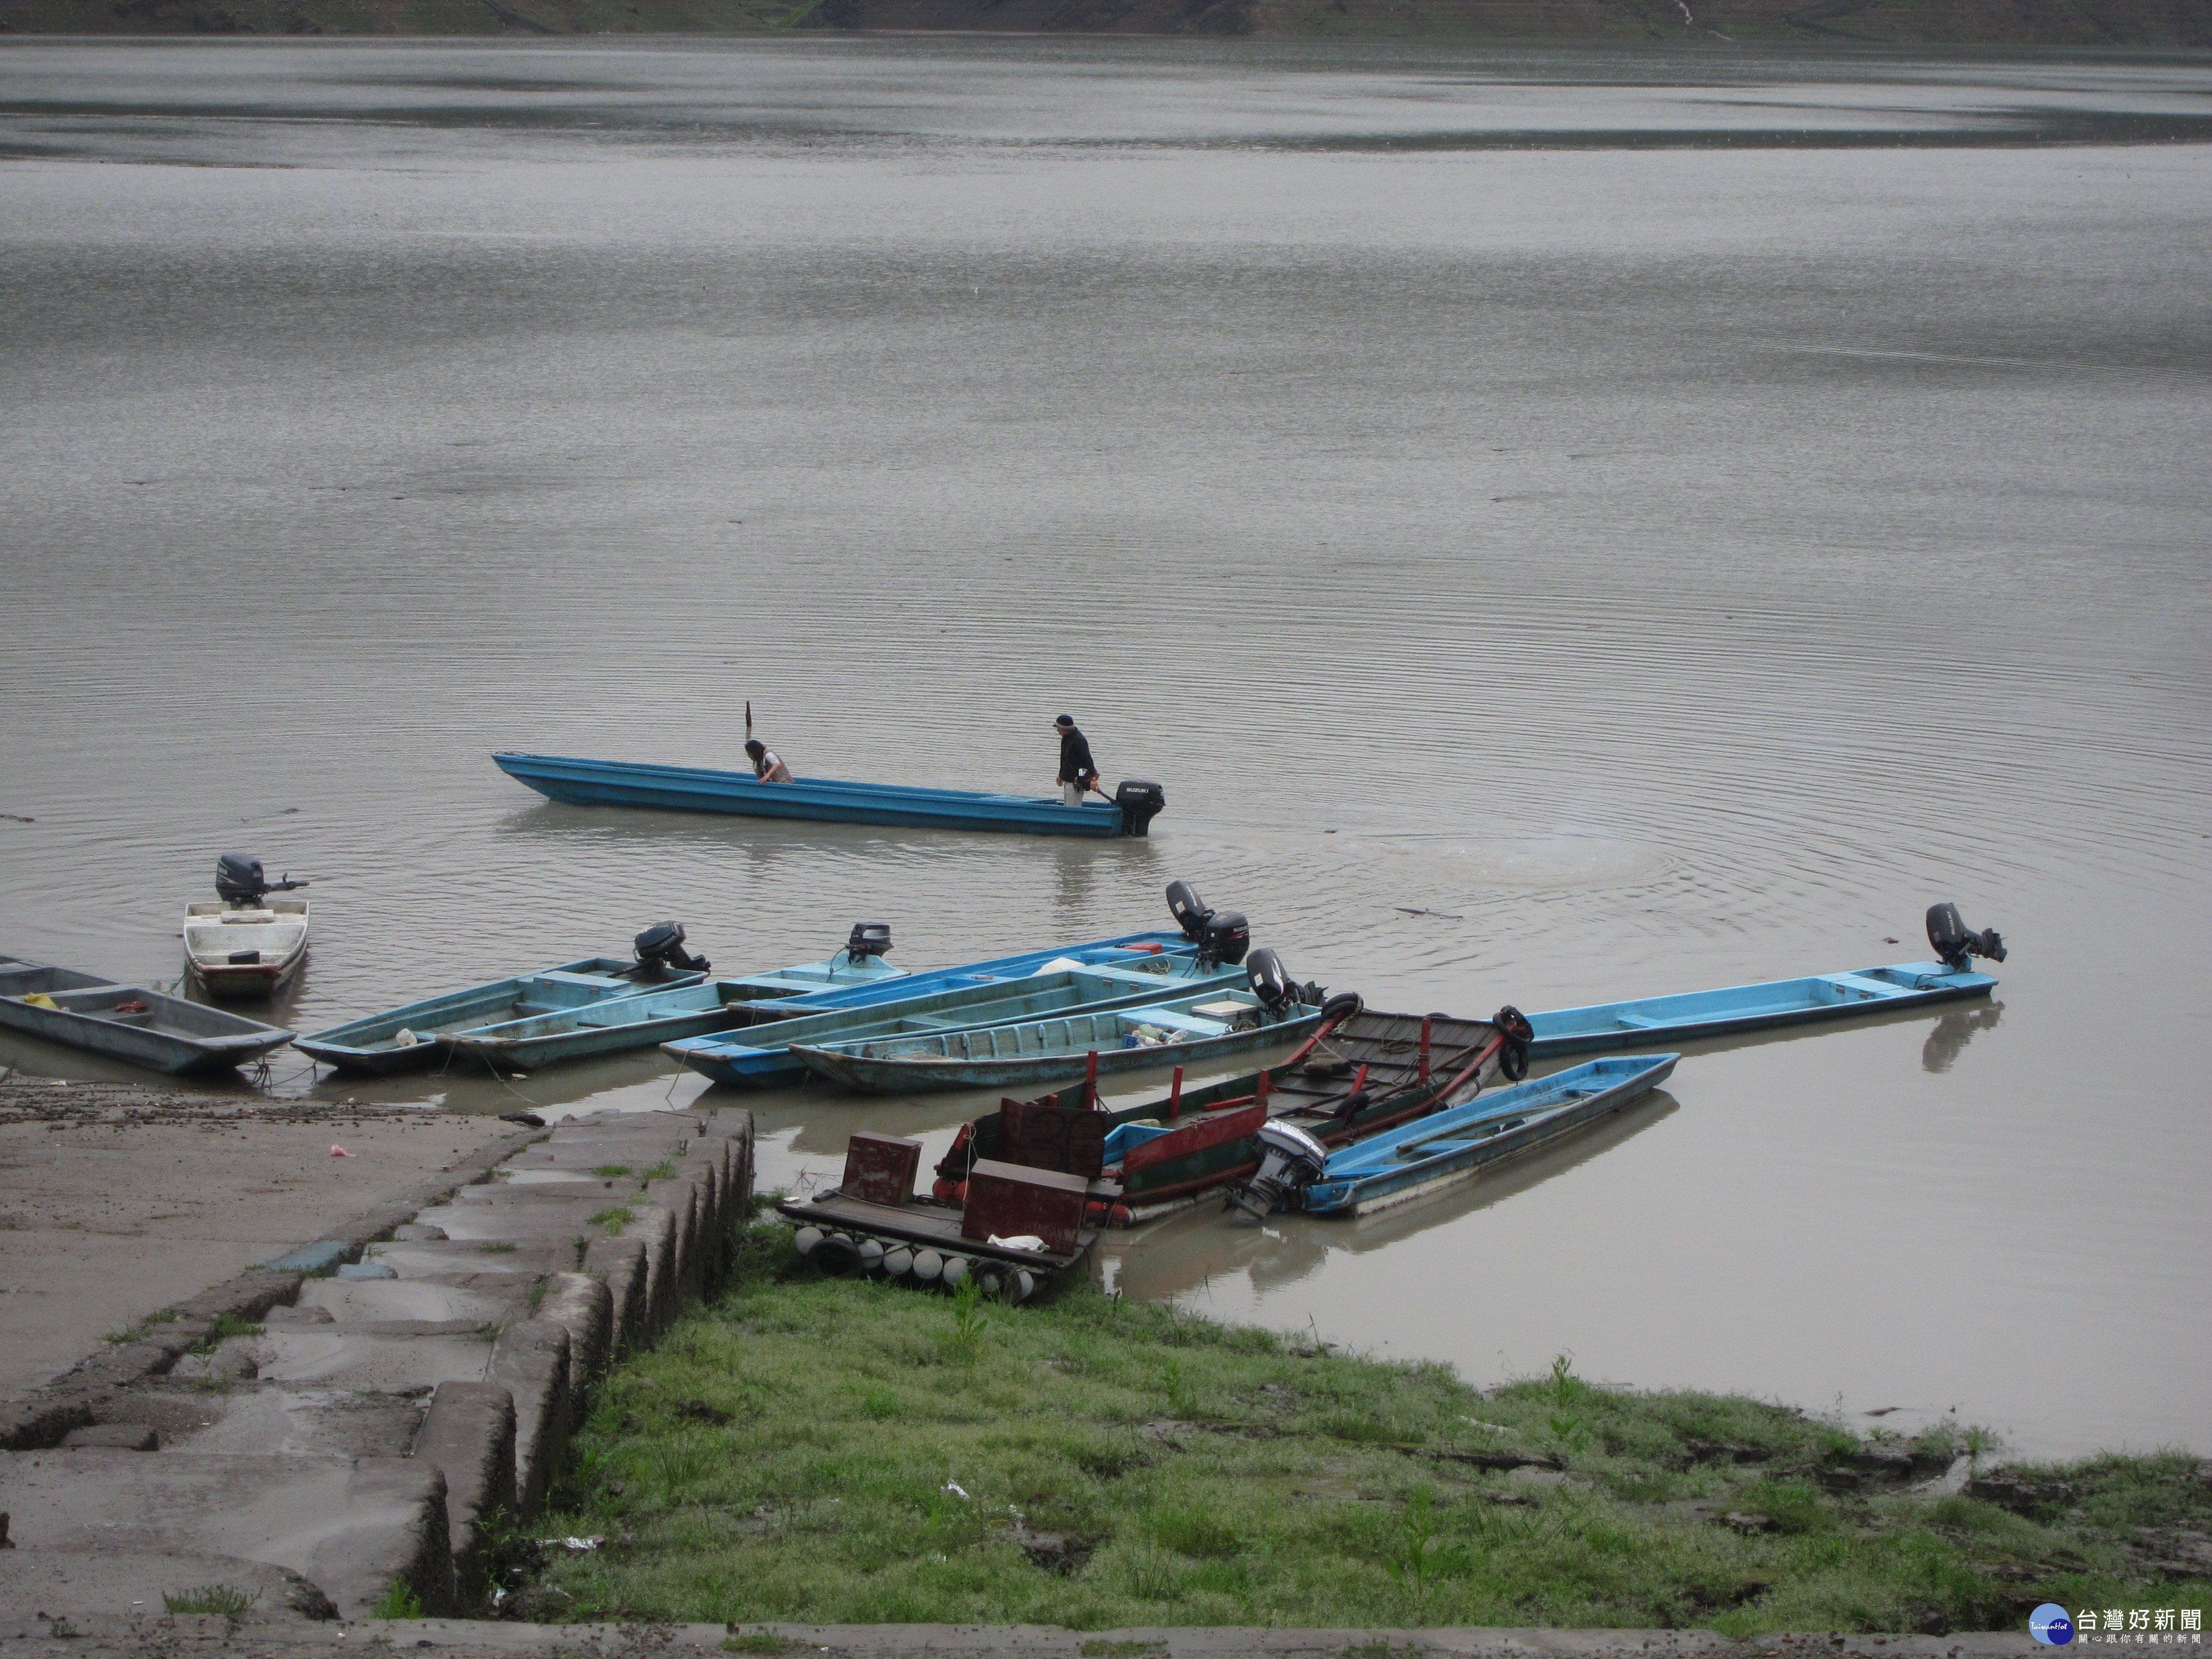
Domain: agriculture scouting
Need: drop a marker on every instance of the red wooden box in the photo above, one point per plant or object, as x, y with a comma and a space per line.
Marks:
1009, 1200
880, 1169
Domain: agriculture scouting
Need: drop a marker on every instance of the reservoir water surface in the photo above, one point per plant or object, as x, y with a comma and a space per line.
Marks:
1559, 526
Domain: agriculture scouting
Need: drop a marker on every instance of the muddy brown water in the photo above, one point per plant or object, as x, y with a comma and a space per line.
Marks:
1560, 526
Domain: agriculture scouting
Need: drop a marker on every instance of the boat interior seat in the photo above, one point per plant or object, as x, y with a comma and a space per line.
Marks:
592, 981
1173, 1021
1872, 988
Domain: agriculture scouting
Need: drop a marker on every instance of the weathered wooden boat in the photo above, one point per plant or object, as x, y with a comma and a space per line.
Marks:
758, 1059
1020, 1231
1452, 1146
412, 1037
128, 1023
766, 1048
246, 944
1194, 1027
1657, 1020
699, 789
1362, 1074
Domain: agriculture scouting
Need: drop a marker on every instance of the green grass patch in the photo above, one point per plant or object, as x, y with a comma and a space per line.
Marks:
611, 1170
398, 1601
814, 1451
663, 1170
613, 1220
499, 1248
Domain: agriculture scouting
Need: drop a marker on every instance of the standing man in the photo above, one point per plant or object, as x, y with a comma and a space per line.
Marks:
767, 765
1077, 774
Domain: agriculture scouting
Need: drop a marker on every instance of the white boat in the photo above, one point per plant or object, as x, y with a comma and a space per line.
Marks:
246, 944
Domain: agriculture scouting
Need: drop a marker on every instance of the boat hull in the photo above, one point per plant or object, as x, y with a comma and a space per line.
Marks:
1055, 1056
171, 1034
1653, 1021
273, 935
581, 782
1468, 1139
759, 1057
369, 1044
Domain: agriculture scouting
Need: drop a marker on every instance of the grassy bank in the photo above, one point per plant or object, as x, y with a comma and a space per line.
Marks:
847, 1452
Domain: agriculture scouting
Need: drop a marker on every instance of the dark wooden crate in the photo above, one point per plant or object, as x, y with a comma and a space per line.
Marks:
1042, 1135
880, 1168
1007, 1200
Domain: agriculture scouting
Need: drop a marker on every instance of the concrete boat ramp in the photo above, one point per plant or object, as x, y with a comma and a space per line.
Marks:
325, 1434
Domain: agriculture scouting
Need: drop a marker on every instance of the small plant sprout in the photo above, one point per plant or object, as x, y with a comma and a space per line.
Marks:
211, 1600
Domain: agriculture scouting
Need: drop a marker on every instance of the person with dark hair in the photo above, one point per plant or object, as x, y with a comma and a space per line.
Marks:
1077, 774
767, 765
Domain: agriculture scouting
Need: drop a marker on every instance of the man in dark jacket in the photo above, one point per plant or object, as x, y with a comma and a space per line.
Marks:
1077, 774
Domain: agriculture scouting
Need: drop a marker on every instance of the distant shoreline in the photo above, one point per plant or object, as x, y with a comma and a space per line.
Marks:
2123, 24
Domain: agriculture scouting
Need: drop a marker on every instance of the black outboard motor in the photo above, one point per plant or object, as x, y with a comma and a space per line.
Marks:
1956, 942
239, 880
1224, 939
1290, 1160
660, 949
1140, 803
869, 938
1269, 982
1189, 910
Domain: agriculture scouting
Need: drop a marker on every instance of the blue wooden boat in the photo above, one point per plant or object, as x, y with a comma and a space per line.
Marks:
1657, 1020
699, 789
765, 1052
1193, 1029
1452, 1146
408, 1037
660, 1015
1653, 1020
128, 1023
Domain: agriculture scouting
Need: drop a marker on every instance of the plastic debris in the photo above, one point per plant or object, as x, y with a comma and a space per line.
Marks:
955, 1486
589, 1543
338, 1150
1018, 1242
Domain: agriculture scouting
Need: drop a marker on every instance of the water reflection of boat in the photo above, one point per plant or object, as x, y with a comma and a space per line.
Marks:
1953, 1031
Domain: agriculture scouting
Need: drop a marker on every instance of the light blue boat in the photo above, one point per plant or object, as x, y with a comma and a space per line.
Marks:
1452, 1146
982, 993
662, 1015
411, 1036
1655, 1020
699, 789
1196, 1029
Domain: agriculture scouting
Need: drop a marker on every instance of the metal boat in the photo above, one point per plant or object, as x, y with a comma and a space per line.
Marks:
128, 1023
245, 943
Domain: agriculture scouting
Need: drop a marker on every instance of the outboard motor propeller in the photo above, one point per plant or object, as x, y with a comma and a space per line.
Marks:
1290, 1160
1273, 986
239, 880
1189, 910
869, 938
661, 948
1958, 944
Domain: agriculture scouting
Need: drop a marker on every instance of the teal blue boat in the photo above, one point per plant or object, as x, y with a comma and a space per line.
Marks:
411, 1036
1191, 1028
616, 1023
582, 782
767, 1052
1452, 1146
129, 1023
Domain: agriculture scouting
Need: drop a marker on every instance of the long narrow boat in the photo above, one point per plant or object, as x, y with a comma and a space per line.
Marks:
128, 1022
1455, 1146
766, 1051
1362, 1074
762, 1008
1194, 1027
582, 782
1653, 1021
407, 1037
759, 1059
